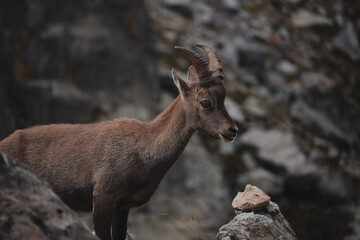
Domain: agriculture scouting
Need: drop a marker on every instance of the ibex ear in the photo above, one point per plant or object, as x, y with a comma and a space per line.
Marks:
192, 75
180, 84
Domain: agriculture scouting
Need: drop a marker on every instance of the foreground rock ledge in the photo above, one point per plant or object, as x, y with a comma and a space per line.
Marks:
29, 209
267, 223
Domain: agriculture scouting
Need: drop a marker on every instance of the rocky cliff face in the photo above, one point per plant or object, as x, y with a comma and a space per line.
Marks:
291, 69
69, 62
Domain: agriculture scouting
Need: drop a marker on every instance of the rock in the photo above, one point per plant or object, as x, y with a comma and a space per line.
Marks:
176, 2
287, 67
129, 236
29, 209
231, 5
318, 121
254, 107
356, 233
234, 110
348, 42
181, 10
252, 57
252, 199
305, 18
203, 14
268, 224
226, 238
263, 35
179, 7
278, 147
316, 80
7, 119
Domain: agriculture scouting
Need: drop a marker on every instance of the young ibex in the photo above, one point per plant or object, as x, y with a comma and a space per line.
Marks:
110, 167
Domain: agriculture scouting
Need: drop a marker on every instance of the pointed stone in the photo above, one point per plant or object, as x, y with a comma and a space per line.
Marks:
252, 199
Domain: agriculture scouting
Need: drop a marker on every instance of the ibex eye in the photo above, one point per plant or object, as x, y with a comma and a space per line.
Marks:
205, 104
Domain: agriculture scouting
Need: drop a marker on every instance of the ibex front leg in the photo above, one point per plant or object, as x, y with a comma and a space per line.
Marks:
119, 223
102, 215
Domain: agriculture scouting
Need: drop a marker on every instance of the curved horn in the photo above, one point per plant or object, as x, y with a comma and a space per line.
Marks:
214, 59
200, 64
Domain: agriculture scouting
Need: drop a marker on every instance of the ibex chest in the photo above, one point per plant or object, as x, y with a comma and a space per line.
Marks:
144, 182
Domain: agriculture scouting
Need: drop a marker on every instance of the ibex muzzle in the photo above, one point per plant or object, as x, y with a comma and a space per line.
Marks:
110, 167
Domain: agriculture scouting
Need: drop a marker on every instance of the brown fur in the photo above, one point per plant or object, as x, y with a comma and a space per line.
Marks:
110, 167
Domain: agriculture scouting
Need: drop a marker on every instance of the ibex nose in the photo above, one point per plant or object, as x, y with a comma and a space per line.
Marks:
234, 130
229, 134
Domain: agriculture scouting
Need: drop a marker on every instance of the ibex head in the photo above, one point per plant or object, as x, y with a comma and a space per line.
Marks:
204, 94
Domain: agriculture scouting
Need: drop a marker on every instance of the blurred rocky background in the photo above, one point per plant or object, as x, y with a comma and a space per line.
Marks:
293, 79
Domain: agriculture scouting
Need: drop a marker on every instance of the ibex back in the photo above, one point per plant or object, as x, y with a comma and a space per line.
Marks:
110, 167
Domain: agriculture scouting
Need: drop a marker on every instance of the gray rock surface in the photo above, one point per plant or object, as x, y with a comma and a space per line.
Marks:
29, 209
305, 18
267, 223
348, 42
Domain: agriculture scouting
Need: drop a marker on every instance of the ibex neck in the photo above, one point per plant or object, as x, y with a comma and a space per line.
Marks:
170, 133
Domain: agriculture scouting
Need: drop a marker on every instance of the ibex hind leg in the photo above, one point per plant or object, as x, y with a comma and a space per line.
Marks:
119, 224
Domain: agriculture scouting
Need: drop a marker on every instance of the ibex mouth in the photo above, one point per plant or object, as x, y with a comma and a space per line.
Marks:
227, 138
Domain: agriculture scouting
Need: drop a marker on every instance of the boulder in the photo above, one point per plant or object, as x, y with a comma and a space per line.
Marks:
268, 223
29, 209
305, 18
